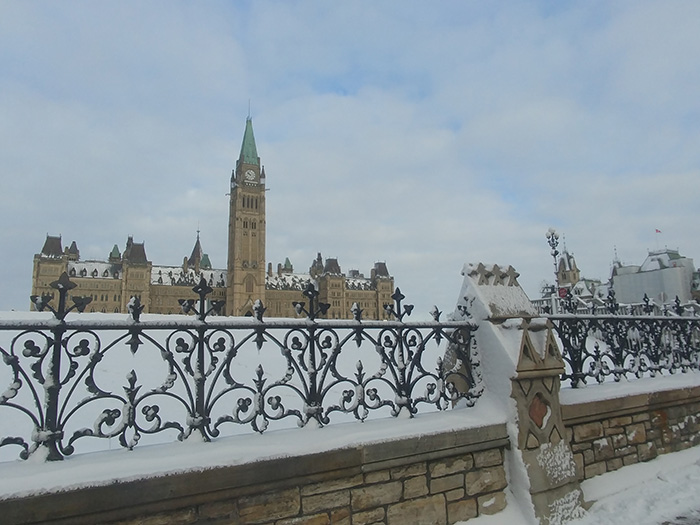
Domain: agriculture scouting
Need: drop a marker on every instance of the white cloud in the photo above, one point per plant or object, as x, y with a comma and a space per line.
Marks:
421, 135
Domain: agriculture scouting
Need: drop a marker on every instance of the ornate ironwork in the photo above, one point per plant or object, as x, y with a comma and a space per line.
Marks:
628, 346
70, 379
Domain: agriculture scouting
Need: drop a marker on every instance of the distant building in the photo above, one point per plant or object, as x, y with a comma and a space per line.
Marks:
663, 276
112, 283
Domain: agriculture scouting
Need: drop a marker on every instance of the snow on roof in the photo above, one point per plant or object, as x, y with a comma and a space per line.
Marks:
495, 292
176, 276
567, 262
288, 281
656, 260
94, 269
358, 283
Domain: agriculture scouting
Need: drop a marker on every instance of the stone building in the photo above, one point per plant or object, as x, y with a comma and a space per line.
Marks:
113, 282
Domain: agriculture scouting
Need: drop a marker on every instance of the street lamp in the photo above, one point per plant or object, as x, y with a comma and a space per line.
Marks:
553, 241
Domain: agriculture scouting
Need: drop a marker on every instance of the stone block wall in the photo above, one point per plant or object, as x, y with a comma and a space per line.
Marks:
443, 491
438, 479
609, 434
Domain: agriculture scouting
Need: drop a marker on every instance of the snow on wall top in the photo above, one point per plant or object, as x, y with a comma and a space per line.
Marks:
493, 291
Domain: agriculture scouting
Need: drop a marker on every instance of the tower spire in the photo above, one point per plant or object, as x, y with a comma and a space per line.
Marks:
249, 152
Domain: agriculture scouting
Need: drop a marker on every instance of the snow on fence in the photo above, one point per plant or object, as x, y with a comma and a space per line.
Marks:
114, 378
627, 343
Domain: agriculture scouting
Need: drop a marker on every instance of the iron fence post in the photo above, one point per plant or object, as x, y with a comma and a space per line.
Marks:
52, 386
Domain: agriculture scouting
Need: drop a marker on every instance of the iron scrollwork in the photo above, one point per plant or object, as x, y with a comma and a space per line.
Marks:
72, 382
620, 346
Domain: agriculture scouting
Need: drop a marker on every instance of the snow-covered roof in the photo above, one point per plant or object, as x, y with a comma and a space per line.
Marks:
176, 276
585, 287
94, 269
288, 281
658, 260
358, 283
567, 262
493, 291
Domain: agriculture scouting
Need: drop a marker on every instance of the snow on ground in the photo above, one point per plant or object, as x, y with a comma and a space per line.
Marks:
651, 493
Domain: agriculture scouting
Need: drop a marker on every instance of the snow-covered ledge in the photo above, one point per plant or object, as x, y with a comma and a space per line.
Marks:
521, 367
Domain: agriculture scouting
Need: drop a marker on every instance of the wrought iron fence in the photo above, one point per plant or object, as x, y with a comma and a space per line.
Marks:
204, 374
611, 343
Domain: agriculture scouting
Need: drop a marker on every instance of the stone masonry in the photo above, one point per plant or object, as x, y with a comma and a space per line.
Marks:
437, 479
440, 492
608, 435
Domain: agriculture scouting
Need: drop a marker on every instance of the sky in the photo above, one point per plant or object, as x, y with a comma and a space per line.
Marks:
423, 135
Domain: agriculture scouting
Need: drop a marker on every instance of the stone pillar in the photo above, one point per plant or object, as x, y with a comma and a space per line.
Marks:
522, 367
541, 435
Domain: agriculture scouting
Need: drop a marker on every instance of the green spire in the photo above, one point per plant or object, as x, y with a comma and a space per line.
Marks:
249, 153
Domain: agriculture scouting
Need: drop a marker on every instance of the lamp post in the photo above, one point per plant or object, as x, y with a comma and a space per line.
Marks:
553, 241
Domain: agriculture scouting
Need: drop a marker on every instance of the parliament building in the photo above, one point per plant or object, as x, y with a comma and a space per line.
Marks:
125, 274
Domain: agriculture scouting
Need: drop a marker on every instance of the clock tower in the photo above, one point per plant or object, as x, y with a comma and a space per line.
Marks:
246, 230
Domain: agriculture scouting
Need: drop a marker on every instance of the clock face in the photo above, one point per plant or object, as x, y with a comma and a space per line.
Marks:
250, 175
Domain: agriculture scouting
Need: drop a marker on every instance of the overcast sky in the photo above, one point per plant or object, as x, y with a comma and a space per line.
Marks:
422, 134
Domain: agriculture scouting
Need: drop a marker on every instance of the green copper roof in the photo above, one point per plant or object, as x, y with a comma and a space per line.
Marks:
249, 153
115, 253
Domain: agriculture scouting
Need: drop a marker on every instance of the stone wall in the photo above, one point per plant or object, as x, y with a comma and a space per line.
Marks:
608, 434
436, 479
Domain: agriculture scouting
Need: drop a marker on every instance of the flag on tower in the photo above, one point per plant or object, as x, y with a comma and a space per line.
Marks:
658, 231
